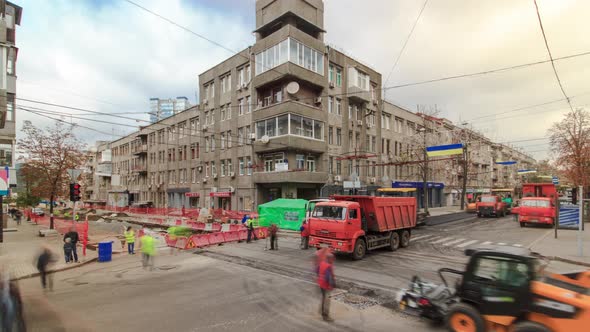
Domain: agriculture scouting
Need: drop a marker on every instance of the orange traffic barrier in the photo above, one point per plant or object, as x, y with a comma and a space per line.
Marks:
198, 225
261, 232
231, 236
199, 240
234, 227
216, 238
181, 242
216, 227
243, 234
171, 240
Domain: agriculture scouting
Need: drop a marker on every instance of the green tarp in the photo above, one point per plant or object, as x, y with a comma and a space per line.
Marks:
285, 213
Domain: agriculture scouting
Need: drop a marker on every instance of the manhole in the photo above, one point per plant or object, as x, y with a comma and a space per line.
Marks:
357, 301
166, 267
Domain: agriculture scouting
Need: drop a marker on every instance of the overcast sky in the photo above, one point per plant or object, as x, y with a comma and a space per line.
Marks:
110, 56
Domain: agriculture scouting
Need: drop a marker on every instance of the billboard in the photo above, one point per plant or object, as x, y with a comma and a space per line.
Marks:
4, 182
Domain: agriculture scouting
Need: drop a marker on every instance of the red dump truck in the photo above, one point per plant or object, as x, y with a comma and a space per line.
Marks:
538, 204
355, 224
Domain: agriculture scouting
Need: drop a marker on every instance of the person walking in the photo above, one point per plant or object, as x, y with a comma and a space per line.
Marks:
130, 239
250, 225
18, 217
74, 238
45, 259
304, 236
68, 248
274, 242
148, 251
326, 282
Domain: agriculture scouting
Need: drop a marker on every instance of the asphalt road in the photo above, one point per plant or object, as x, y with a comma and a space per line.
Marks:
194, 293
243, 286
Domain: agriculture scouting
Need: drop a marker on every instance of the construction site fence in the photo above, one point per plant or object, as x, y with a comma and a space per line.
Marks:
192, 213
209, 239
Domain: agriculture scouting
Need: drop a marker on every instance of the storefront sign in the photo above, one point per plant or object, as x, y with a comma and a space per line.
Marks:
220, 194
192, 194
400, 184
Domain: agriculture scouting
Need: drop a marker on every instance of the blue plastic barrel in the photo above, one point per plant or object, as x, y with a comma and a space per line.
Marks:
105, 251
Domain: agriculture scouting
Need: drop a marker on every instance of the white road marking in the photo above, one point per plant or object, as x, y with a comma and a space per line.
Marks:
442, 240
517, 245
465, 244
501, 243
420, 237
487, 242
453, 242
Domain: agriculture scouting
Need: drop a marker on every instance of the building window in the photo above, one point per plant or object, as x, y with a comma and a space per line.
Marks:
331, 165
229, 139
193, 175
338, 167
213, 168
222, 113
290, 124
207, 169
331, 73
338, 76
330, 104
310, 164
9, 107
241, 166
222, 168
241, 106
230, 167
228, 109
330, 135
248, 166
212, 117
225, 82
222, 145
338, 136
249, 104
241, 136
358, 79
207, 144
271, 97
300, 161
212, 143
293, 51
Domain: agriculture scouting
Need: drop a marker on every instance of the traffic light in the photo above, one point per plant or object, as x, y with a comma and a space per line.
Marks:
74, 192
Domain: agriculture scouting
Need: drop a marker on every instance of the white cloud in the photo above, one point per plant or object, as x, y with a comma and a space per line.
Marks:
122, 55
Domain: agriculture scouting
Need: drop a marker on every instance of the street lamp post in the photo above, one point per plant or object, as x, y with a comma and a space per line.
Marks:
425, 174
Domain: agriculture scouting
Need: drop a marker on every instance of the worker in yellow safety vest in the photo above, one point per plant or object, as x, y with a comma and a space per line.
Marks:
250, 225
130, 239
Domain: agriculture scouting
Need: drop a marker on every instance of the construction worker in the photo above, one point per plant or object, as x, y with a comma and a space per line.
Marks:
76, 217
304, 236
250, 225
326, 282
148, 251
130, 239
274, 243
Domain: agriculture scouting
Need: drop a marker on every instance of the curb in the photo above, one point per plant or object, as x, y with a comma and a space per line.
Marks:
36, 274
567, 260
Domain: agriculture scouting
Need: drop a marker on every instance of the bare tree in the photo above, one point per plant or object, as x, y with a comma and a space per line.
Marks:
570, 142
51, 152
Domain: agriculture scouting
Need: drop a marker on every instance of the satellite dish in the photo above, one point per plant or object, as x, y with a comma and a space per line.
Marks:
264, 139
293, 88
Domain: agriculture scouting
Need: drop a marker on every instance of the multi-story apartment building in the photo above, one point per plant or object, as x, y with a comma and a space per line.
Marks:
10, 17
163, 108
288, 117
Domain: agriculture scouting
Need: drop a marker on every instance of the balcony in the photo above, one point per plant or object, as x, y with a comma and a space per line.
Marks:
11, 36
287, 106
291, 143
356, 94
139, 169
294, 177
290, 70
140, 149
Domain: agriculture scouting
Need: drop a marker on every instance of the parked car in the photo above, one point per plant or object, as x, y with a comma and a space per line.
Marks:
38, 212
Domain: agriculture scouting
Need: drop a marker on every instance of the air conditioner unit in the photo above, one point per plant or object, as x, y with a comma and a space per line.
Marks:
204, 180
252, 136
318, 100
374, 101
200, 168
359, 122
215, 175
369, 125
232, 189
338, 178
331, 85
373, 180
232, 174
245, 86
205, 101
205, 128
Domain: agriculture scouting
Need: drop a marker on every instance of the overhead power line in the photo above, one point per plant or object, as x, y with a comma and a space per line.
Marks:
551, 56
399, 55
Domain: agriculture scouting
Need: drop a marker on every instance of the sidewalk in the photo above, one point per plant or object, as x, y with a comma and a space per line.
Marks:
19, 251
440, 211
565, 247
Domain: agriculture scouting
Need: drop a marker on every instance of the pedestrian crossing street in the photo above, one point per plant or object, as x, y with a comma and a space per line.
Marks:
454, 242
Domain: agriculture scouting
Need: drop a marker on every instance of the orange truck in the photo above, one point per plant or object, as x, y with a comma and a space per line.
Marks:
538, 204
356, 224
491, 205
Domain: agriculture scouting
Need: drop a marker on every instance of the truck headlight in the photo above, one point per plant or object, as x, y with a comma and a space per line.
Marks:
339, 243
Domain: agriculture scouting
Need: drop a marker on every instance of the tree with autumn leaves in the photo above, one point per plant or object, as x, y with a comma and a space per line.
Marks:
49, 154
570, 142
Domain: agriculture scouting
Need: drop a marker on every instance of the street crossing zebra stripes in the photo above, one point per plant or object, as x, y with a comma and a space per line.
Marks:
459, 243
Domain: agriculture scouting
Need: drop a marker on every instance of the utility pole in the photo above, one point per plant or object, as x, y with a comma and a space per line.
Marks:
465, 161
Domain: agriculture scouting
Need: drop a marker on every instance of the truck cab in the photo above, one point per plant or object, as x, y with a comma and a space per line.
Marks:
336, 224
536, 210
490, 205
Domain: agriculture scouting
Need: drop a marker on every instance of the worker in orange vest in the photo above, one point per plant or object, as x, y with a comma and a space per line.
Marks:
304, 236
326, 282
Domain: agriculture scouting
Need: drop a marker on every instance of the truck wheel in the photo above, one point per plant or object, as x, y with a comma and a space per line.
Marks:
394, 241
522, 224
530, 327
464, 317
360, 248
405, 239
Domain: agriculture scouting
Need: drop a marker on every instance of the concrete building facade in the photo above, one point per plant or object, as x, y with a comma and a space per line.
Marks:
10, 17
288, 117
